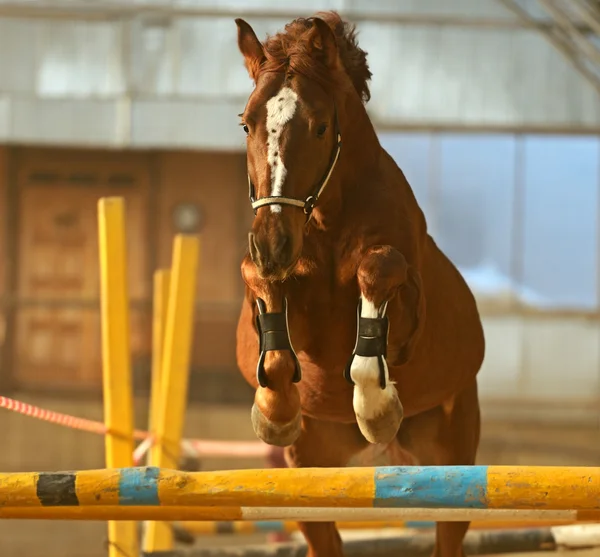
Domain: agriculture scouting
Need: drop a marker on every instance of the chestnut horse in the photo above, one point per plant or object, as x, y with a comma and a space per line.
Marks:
358, 333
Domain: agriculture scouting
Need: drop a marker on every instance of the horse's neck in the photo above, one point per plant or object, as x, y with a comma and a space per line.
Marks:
361, 152
359, 167
359, 136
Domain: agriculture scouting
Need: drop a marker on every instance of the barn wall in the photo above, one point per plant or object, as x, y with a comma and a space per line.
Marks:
3, 213
541, 369
179, 81
56, 331
3, 255
216, 183
55, 341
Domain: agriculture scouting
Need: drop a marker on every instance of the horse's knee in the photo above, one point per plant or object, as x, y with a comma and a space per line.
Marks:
376, 403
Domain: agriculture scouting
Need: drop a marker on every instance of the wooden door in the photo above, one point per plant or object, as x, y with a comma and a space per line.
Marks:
58, 343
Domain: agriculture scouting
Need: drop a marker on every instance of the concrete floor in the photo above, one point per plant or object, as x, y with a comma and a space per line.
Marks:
579, 553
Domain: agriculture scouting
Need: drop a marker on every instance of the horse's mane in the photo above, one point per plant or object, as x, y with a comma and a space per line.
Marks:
293, 51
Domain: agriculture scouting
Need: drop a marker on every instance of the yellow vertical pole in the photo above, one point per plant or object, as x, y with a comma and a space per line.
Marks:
174, 373
116, 364
162, 279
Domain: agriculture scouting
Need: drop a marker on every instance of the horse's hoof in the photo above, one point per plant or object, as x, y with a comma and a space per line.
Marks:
383, 428
274, 433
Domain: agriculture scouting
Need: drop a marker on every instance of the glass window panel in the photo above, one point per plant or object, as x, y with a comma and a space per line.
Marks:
474, 202
412, 153
560, 221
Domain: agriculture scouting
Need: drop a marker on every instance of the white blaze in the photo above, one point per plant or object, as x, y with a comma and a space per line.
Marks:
280, 110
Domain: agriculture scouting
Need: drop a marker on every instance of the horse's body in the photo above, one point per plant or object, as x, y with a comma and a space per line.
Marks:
367, 240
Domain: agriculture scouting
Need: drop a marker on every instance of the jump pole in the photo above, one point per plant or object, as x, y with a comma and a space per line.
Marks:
160, 297
116, 364
440, 487
157, 535
173, 351
211, 528
304, 514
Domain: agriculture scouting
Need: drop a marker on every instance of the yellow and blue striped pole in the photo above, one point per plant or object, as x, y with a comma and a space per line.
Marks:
441, 487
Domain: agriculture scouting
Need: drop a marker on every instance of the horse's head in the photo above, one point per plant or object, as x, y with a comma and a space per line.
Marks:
293, 135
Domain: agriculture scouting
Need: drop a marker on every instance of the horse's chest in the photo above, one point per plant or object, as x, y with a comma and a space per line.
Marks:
322, 322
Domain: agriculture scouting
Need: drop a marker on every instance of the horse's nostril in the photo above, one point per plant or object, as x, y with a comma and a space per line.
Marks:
253, 247
283, 251
282, 245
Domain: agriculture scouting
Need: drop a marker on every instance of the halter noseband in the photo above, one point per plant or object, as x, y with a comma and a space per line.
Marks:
311, 201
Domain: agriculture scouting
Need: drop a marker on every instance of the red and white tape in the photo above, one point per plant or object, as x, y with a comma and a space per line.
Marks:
190, 447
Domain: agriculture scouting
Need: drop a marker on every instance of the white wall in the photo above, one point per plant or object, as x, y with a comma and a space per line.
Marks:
541, 369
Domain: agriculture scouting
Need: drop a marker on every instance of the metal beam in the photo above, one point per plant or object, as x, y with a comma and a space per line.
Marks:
593, 6
587, 14
82, 10
579, 40
557, 37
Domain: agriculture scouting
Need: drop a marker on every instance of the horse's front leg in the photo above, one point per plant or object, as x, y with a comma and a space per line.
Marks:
324, 444
276, 410
383, 276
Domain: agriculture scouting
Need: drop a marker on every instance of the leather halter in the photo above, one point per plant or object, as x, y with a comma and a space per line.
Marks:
311, 201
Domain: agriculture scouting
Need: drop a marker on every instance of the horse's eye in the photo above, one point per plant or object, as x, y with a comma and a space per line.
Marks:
245, 128
321, 130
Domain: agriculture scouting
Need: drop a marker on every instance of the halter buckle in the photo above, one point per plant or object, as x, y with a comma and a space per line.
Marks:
309, 204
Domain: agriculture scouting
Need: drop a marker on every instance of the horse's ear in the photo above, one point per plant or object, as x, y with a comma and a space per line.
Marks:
250, 47
324, 40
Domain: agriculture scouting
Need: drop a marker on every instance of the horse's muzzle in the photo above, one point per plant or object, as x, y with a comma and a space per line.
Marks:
273, 256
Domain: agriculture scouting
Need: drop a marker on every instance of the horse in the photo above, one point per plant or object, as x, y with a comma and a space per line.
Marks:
358, 334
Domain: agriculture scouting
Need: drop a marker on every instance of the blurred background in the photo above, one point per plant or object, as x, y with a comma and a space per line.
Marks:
491, 108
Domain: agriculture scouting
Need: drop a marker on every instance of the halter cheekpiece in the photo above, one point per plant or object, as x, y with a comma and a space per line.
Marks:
310, 202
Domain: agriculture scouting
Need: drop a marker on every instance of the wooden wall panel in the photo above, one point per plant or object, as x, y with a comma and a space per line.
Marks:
216, 183
3, 260
3, 213
58, 334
